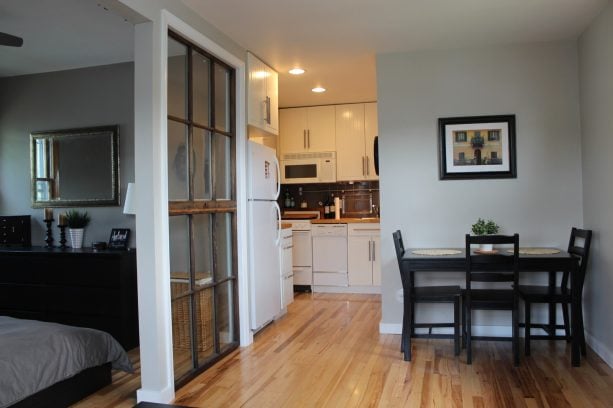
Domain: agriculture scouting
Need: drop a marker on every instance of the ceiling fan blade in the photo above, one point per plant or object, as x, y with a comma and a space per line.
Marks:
10, 40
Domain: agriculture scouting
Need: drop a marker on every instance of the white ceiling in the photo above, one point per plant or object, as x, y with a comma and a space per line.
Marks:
62, 34
334, 40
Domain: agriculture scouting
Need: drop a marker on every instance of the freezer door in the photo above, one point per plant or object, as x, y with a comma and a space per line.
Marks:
264, 268
264, 172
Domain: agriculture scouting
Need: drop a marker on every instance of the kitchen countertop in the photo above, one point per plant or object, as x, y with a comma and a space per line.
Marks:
285, 225
347, 221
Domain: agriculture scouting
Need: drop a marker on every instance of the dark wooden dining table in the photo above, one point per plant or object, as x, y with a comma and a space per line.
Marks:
552, 263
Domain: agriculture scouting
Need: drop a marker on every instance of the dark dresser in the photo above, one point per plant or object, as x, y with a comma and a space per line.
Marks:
15, 230
77, 287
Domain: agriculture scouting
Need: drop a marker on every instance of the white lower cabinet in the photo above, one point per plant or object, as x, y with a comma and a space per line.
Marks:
287, 274
363, 254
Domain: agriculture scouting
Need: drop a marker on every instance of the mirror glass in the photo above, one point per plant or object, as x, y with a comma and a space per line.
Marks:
76, 167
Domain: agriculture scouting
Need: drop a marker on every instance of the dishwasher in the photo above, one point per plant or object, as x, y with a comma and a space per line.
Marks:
329, 254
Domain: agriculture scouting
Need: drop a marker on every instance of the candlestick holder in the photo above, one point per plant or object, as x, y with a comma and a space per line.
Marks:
62, 236
49, 238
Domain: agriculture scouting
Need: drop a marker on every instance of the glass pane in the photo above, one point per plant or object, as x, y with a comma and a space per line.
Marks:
222, 98
224, 301
177, 79
222, 166
203, 260
223, 245
178, 179
178, 226
204, 324
202, 164
181, 336
43, 190
300, 171
201, 96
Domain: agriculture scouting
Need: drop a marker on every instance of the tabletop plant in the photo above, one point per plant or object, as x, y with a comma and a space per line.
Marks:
77, 219
482, 227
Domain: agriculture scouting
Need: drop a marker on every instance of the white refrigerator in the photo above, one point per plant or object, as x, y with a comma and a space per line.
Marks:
264, 234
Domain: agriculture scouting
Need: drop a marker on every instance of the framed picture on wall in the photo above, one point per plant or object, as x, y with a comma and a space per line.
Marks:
477, 147
119, 238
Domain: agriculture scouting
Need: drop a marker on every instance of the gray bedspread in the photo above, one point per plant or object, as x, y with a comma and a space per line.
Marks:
35, 355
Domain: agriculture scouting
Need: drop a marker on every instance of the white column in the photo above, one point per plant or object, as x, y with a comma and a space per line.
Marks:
157, 376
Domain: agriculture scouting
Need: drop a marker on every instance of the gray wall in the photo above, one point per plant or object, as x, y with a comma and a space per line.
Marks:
537, 83
86, 97
596, 83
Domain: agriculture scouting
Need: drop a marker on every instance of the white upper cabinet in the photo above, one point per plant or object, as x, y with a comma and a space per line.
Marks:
262, 95
356, 128
310, 129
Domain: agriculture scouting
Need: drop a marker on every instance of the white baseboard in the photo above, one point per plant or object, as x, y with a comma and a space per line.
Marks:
600, 349
504, 331
489, 331
347, 289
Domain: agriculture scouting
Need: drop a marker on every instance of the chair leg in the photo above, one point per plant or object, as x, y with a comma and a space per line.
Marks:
527, 330
469, 349
516, 336
566, 321
582, 332
407, 335
456, 326
404, 325
463, 324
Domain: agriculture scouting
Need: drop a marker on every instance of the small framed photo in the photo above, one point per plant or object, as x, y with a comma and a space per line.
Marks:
119, 238
477, 147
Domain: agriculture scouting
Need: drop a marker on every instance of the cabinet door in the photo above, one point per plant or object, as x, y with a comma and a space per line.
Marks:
256, 89
376, 260
321, 129
371, 129
359, 264
272, 91
350, 158
292, 130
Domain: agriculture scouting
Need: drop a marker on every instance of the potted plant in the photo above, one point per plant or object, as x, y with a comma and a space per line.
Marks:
76, 221
482, 227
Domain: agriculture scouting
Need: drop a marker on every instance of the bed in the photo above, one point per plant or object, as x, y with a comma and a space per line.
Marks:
50, 364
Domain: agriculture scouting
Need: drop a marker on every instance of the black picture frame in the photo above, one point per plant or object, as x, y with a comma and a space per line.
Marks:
119, 238
488, 140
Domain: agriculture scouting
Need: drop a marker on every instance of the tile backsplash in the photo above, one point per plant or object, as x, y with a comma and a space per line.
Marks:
315, 195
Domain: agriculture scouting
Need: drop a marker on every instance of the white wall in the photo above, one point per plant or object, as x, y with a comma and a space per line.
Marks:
537, 83
596, 83
77, 98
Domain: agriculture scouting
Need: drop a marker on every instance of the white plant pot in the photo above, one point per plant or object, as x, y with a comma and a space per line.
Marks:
486, 247
76, 237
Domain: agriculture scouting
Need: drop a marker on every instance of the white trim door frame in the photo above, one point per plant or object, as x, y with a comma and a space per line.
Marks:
151, 171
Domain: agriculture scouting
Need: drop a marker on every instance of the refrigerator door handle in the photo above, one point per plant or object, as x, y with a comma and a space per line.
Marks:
278, 240
278, 181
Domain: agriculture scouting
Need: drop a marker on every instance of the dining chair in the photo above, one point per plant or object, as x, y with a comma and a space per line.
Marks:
424, 294
559, 294
493, 266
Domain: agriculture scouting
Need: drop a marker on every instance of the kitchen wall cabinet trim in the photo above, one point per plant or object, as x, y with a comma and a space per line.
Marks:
262, 95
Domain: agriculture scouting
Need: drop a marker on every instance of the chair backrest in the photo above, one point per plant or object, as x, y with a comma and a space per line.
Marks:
399, 253
498, 266
582, 252
399, 245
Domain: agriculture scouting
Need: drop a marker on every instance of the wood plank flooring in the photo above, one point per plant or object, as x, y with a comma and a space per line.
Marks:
327, 352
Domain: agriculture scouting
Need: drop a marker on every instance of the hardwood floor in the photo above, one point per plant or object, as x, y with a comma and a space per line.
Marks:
328, 352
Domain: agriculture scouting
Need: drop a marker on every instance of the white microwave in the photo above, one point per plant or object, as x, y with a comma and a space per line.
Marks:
316, 167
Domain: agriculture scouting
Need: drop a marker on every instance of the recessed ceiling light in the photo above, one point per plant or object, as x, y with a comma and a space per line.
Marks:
296, 71
318, 89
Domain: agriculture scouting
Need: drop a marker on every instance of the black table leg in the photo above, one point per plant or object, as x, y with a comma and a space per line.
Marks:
552, 306
575, 310
408, 313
